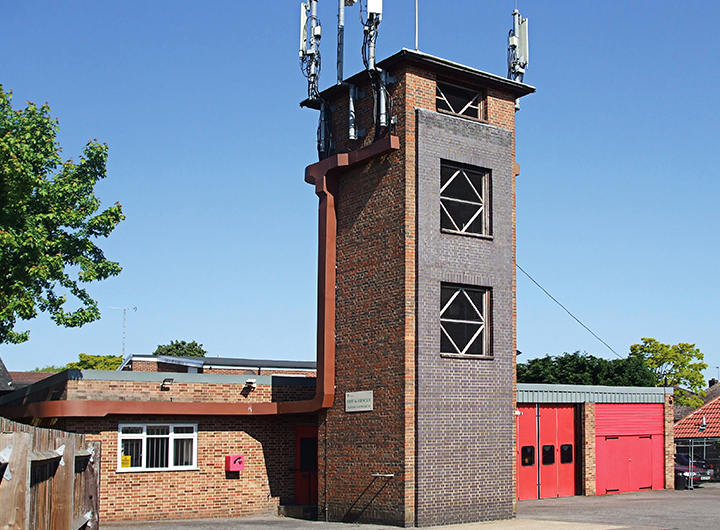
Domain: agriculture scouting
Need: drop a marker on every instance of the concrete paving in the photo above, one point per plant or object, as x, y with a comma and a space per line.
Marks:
649, 510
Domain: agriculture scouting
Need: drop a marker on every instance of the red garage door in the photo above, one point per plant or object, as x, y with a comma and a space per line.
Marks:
629, 452
545, 451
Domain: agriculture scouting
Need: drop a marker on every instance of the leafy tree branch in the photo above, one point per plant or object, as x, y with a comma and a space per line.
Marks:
49, 220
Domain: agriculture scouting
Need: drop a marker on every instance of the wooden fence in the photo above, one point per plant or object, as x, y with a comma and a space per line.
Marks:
49, 479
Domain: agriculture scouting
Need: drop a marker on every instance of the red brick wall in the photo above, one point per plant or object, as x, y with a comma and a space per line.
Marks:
374, 341
588, 435
85, 389
263, 371
669, 445
268, 444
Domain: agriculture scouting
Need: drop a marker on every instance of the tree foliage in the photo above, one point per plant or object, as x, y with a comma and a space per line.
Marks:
96, 362
48, 221
87, 362
584, 369
50, 369
679, 366
181, 349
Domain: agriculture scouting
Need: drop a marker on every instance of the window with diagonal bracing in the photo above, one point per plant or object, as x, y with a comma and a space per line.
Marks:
458, 100
463, 320
464, 199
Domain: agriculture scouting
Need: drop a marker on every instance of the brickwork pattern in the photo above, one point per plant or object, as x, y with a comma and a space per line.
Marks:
268, 444
669, 443
79, 390
467, 444
588, 455
154, 366
370, 336
465, 408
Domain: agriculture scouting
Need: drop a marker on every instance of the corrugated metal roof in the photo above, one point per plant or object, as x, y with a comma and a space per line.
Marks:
542, 393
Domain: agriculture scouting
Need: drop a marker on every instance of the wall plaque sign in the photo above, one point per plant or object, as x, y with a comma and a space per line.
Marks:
359, 401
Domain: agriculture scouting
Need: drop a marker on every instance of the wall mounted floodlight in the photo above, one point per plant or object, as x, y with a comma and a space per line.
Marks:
165, 385
251, 383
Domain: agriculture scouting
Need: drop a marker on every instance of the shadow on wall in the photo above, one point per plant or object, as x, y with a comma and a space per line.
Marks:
366, 498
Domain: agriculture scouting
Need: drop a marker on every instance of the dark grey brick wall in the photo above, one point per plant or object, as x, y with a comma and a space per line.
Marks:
464, 405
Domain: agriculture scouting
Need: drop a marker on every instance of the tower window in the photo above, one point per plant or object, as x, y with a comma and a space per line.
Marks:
464, 204
458, 100
463, 320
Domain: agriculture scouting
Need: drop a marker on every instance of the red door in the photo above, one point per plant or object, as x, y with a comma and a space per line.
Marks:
629, 447
545, 451
557, 449
306, 480
640, 463
548, 451
527, 457
566, 450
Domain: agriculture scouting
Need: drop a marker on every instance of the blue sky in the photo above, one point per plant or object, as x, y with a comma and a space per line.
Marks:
198, 102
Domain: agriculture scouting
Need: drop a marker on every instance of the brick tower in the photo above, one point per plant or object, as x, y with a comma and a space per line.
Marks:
417, 295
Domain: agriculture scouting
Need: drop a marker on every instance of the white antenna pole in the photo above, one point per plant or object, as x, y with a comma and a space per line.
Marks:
416, 25
340, 40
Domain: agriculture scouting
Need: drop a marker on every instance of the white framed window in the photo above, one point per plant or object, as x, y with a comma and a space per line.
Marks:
463, 320
157, 446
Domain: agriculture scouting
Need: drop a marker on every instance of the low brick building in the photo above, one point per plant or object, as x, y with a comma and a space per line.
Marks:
167, 435
593, 440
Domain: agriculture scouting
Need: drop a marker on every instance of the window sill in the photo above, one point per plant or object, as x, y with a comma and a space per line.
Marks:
486, 237
158, 470
466, 356
464, 116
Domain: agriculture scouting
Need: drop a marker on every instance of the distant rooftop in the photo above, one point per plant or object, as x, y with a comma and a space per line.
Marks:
218, 362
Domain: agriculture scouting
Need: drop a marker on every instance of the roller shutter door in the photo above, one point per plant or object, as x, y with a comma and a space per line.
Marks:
629, 447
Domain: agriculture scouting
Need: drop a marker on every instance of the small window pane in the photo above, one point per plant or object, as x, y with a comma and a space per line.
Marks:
184, 430
566, 454
131, 453
527, 455
183, 452
132, 430
548, 455
157, 452
158, 430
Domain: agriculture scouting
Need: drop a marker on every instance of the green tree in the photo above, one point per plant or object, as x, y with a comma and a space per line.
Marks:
679, 366
96, 362
48, 222
50, 369
583, 369
181, 349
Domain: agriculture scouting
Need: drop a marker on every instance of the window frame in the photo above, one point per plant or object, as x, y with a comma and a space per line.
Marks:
485, 320
484, 203
480, 94
172, 437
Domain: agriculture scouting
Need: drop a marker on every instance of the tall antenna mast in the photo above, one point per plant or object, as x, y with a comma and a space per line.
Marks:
124, 310
341, 37
518, 52
310, 35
